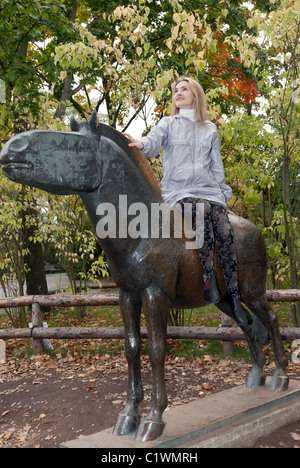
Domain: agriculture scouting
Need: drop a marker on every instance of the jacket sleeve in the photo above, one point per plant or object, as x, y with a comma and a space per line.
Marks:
217, 167
155, 139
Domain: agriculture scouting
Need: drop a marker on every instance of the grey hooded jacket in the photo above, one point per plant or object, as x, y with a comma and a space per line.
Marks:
192, 161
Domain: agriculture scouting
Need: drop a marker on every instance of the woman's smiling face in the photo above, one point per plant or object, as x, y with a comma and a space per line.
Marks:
183, 96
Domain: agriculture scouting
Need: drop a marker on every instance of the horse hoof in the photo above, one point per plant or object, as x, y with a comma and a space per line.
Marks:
126, 425
256, 380
279, 383
149, 430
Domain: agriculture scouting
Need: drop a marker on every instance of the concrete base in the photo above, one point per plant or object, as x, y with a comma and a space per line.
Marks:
232, 418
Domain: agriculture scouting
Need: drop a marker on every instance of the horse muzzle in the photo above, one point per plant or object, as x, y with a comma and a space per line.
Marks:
12, 157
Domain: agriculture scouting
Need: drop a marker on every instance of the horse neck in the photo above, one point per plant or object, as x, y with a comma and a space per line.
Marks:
123, 180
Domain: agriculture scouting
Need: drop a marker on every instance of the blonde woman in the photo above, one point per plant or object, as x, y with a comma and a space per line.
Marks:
194, 173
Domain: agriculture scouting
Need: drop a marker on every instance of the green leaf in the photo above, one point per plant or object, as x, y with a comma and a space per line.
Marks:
143, 30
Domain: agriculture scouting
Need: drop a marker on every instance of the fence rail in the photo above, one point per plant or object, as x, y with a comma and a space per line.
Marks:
37, 333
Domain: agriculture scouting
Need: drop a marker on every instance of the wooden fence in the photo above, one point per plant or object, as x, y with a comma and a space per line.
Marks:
226, 332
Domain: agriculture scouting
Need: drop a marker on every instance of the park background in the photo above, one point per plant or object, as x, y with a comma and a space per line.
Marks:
73, 56
59, 58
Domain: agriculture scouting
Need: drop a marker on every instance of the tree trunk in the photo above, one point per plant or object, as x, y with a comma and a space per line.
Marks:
67, 89
66, 95
289, 231
36, 280
35, 274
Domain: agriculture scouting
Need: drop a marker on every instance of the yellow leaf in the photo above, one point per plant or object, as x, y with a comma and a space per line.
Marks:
175, 32
200, 64
139, 51
191, 19
169, 43
176, 18
63, 74
225, 12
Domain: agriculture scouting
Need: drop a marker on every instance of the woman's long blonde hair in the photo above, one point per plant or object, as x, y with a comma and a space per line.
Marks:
200, 111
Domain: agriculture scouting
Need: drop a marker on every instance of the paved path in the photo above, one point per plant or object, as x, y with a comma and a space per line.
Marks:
55, 282
60, 282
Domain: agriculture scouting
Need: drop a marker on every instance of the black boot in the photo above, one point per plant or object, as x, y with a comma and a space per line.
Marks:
240, 315
211, 290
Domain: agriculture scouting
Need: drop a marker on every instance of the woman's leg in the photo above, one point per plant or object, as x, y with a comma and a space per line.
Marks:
226, 248
206, 252
228, 260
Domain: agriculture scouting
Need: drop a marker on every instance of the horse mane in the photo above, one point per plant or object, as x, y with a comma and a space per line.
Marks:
135, 155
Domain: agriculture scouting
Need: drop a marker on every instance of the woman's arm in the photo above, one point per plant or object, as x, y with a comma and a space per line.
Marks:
151, 144
217, 167
133, 142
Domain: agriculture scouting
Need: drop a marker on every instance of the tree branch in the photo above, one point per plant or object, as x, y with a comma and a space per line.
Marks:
76, 90
135, 115
74, 11
78, 107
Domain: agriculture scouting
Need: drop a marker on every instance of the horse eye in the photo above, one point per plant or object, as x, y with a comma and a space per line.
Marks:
20, 144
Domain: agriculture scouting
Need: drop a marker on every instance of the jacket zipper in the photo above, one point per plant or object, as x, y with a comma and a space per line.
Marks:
194, 150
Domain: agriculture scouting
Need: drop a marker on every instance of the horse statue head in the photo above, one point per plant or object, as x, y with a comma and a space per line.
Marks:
62, 163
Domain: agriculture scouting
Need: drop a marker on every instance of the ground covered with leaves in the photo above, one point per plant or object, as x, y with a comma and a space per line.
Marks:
79, 387
49, 399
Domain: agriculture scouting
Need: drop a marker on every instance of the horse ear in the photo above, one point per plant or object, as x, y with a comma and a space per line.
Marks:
74, 124
94, 121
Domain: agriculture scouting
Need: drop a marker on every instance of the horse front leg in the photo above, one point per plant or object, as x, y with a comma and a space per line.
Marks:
156, 308
129, 418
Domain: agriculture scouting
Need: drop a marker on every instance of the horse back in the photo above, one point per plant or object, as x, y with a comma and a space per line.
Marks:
252, 267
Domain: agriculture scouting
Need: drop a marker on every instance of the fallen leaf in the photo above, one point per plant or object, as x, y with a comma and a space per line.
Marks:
200, 361
208, 358
4, 413
24, 433
295, 436
41, 416
52, 365
90, 389
8, 434
207, 386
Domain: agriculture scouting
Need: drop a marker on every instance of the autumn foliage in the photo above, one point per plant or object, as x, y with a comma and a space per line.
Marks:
228, 71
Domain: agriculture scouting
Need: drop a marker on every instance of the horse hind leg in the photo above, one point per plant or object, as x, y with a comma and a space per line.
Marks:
255, 341
268, 317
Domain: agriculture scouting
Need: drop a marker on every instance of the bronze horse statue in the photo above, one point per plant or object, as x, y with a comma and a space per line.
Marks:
95, 162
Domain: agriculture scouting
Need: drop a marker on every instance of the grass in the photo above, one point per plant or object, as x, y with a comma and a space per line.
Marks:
110, 316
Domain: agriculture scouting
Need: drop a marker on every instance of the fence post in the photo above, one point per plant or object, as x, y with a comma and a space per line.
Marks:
37, 321
227, 322
2, 352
